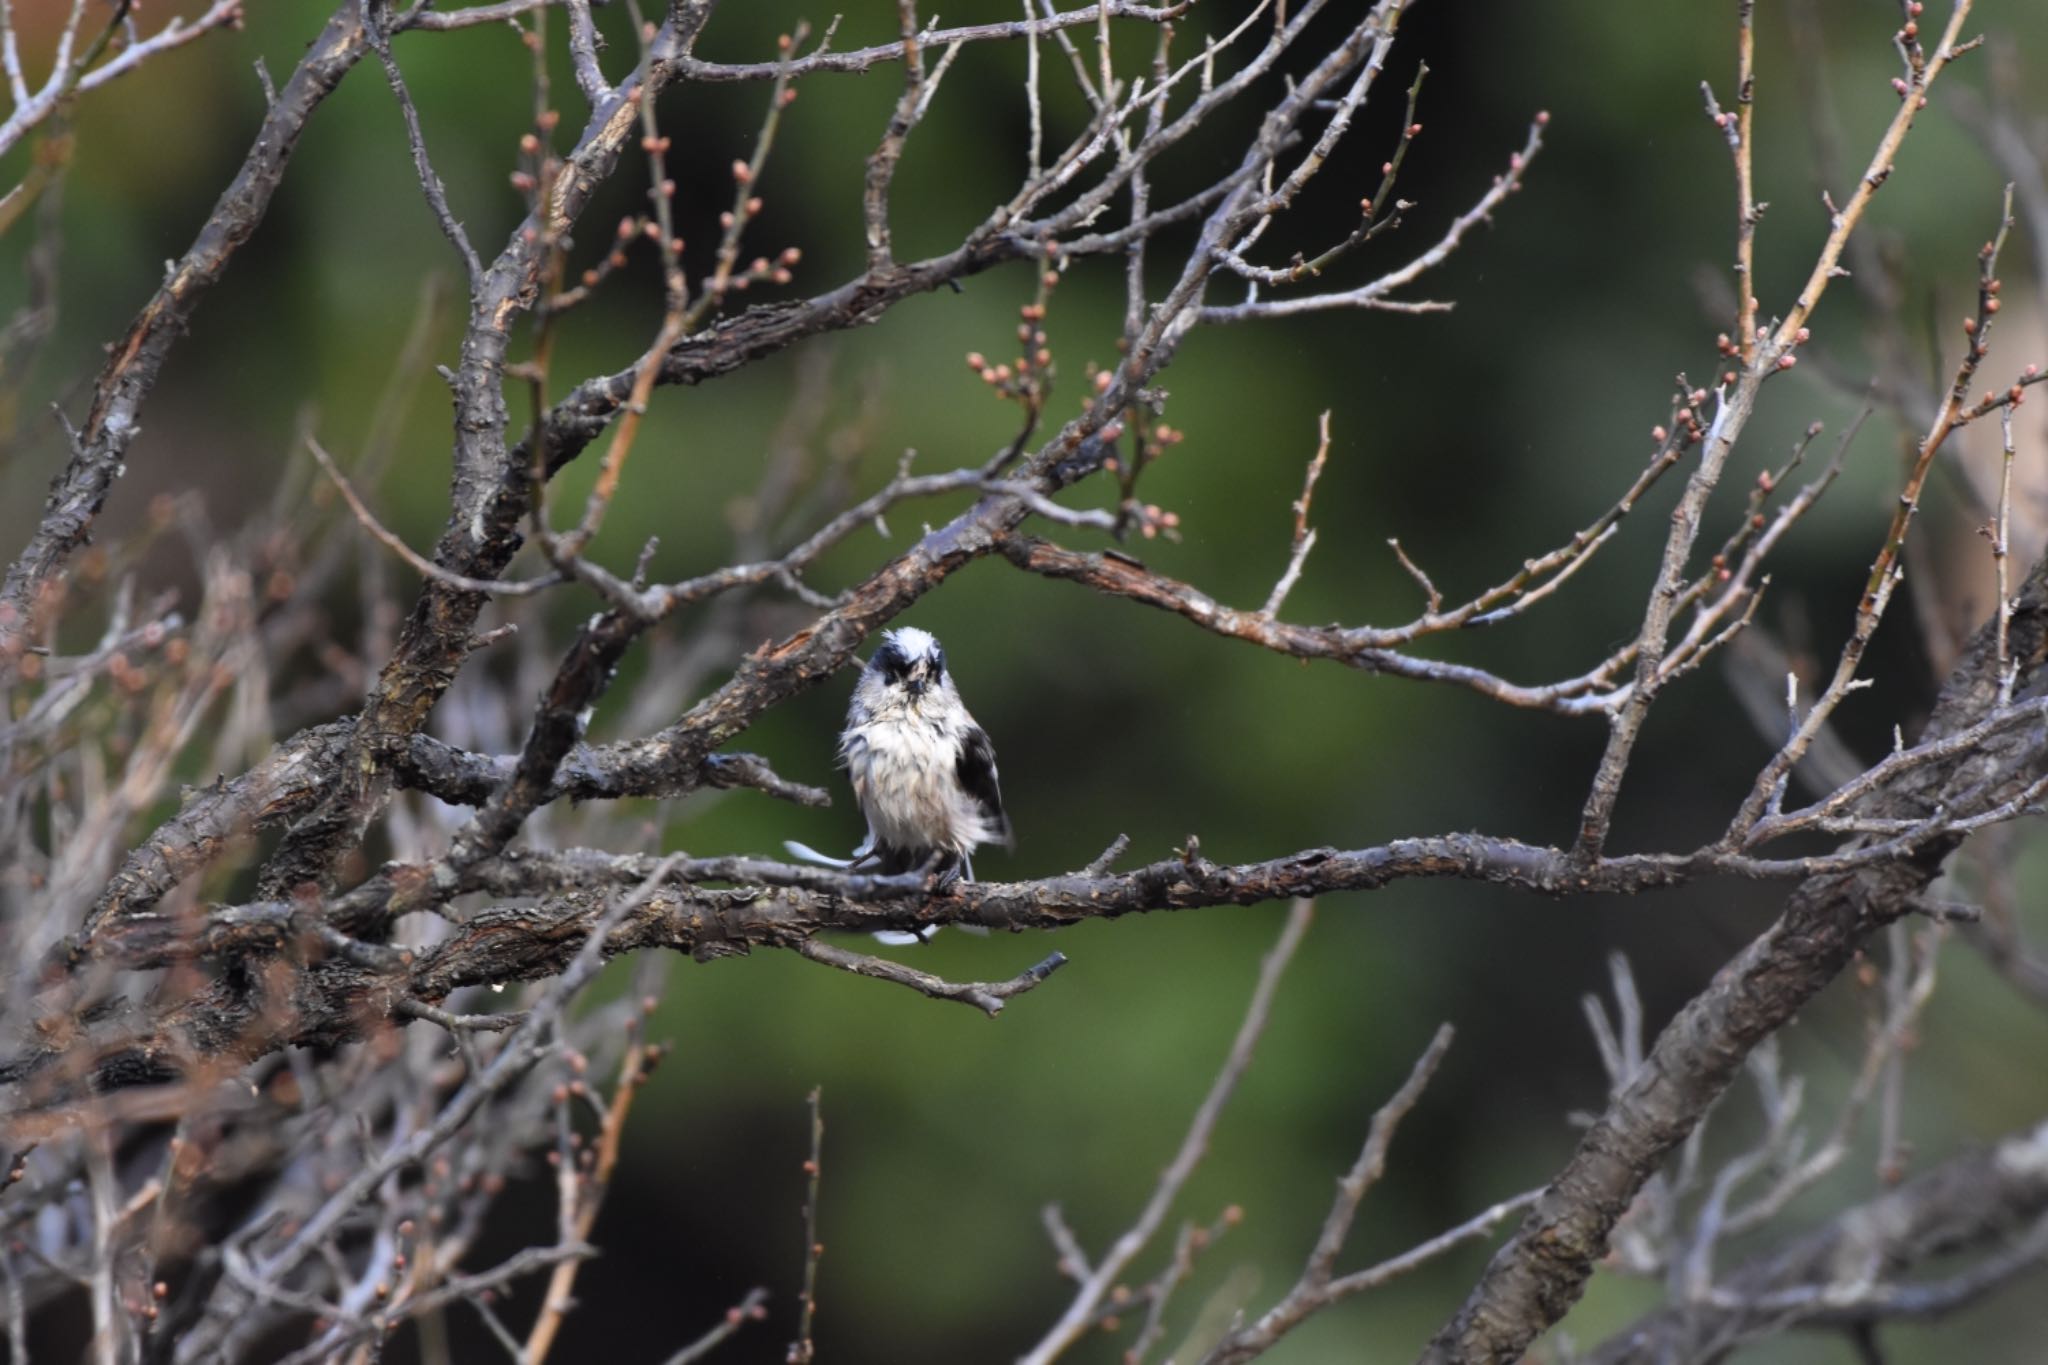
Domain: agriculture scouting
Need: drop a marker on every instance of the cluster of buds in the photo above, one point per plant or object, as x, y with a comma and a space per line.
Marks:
539, 164
1729, 350
763, 270
125, 675
1686, 415
1987, 308
1799, 338
1152, 520
1029, 377
1909, 32
1907, 40
742, 176
785, 44
1152, 443
630, 228
1160, 439
130, 675
2011, 398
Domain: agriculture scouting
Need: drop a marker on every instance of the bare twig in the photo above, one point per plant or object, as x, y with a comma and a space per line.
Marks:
1853, 1268
1734, 407
68, 79
748, 1309
1886, 570
427, 568
1374, 294
987, 996
803, 1350
1315, 1288
1304, 538
588, 1191
437, 193
1080, 1314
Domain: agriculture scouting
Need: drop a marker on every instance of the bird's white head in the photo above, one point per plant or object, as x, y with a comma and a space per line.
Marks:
905, 670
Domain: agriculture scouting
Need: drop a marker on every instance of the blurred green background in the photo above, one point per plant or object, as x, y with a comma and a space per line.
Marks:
1478, 437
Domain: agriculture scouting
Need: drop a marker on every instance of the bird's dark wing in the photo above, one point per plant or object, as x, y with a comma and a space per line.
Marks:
976, 768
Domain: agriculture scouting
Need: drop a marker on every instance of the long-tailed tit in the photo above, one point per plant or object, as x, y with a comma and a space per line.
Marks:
923, 771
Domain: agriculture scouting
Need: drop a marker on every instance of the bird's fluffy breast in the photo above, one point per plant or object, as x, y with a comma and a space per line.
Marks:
903, 776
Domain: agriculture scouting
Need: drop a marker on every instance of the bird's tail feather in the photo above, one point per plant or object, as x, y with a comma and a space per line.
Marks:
805, 853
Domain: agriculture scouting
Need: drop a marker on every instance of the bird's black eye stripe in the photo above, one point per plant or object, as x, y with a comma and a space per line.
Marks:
889, 658
938, 661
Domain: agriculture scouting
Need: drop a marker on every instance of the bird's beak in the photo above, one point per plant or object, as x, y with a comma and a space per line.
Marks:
917, 687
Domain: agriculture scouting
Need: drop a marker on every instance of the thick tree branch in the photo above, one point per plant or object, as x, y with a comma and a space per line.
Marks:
786, 907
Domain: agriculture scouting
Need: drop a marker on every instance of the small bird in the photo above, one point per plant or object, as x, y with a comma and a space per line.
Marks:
923, 771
